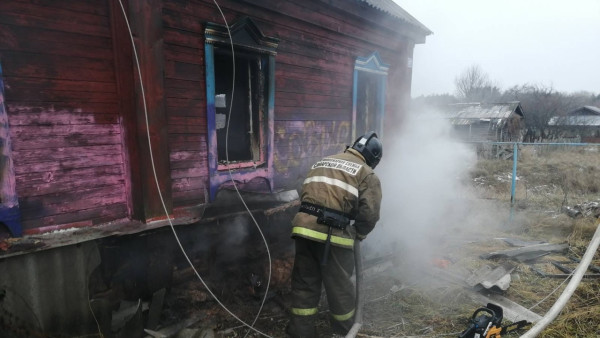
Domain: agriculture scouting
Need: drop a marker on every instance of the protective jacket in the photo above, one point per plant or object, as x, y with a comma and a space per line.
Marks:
344, 183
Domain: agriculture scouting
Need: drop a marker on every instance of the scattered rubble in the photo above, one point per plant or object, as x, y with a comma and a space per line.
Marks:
583, 210
8, 245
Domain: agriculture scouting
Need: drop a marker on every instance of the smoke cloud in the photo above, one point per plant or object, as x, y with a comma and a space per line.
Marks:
427, 199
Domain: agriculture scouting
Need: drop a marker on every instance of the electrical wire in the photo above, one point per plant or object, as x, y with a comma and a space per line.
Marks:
158, 185
553, 291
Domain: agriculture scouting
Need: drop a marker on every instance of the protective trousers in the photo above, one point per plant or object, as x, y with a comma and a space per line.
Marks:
307, 277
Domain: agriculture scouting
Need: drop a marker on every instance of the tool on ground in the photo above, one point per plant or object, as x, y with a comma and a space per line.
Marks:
486, 322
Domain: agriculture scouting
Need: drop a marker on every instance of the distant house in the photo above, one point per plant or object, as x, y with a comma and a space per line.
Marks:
498, 122
579, 125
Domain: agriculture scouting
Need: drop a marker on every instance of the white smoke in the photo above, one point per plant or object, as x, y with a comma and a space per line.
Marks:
425, 199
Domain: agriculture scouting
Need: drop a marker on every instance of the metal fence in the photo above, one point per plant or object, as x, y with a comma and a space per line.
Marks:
553, 177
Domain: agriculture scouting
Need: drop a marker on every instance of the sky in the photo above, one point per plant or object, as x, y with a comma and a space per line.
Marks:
553, 43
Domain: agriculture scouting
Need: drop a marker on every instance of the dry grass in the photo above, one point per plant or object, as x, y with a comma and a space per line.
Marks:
551, 178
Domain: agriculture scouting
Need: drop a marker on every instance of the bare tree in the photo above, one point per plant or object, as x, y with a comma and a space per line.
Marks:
474, 85
540, 103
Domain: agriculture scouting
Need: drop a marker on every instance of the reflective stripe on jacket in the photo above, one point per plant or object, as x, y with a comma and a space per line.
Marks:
343, 182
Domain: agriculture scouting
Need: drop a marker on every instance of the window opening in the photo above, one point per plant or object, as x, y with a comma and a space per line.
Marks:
246, 136
370, 77
249, 142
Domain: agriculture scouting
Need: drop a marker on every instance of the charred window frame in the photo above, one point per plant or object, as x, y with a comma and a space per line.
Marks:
240, 131
368, 98
242, 143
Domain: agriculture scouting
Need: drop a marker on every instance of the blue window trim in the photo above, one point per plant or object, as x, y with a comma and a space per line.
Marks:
10, 213
372, 64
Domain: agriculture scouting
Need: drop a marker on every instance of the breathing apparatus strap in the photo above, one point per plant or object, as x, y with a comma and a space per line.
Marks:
330, 217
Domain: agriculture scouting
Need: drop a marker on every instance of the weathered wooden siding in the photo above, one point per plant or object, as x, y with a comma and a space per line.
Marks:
76, 113
186, 98
315, 64
313, 96
61, 98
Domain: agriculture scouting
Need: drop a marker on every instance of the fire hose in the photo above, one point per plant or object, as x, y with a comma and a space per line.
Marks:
568, 292
359, 300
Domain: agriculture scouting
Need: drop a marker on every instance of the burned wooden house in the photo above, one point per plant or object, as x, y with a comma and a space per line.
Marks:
580, 125
126, 121
487, 122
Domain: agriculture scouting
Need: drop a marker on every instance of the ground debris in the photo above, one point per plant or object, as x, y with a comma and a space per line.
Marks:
401, 298
519, 242
20, 244
488, 277
527, 253
583, 210
549, 269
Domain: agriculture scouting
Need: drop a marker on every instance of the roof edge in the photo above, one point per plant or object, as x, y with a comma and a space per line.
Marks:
392, 8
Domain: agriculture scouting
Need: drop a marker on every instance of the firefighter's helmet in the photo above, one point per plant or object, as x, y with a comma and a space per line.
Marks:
370, 147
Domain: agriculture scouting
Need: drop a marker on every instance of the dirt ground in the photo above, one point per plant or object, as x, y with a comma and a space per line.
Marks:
557, 196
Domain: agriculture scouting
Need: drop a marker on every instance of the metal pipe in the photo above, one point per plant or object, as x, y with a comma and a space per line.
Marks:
514, 174
513, 186
568, 292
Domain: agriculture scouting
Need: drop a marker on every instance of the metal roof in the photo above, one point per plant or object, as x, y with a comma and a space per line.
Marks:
392, 8
583, 116
575, 120
482, 111
586, 110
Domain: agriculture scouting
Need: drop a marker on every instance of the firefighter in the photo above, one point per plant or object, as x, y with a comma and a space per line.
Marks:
337, 191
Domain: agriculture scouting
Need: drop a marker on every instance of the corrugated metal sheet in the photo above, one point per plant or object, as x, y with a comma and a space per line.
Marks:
483, 111
576, 120
393, 9
488, 278
46, 287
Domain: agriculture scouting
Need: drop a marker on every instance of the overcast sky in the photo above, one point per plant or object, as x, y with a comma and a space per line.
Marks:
547, 42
